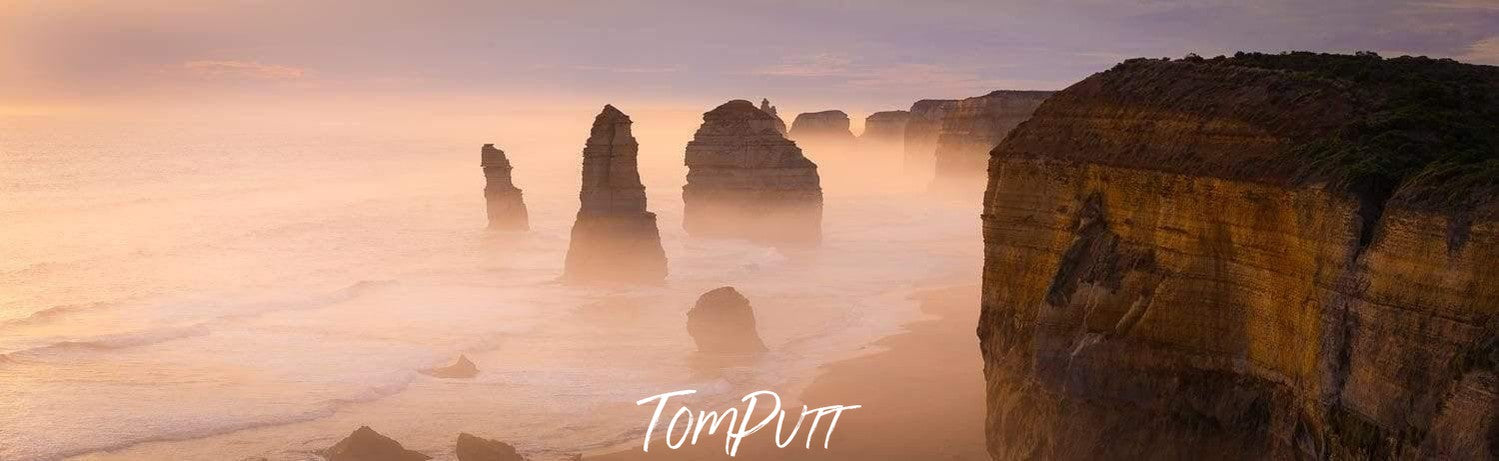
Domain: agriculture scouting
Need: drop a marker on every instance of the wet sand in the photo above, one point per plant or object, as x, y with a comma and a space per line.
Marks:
922, 398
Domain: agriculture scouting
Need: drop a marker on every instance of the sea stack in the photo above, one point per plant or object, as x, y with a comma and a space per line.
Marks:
367, 445
723, 322
1192, 259
921, 132
744, 180
827, 127
614, 237
769, 109
502, 200
885, 128
972, 129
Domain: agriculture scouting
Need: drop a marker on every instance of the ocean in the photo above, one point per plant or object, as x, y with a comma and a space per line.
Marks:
181, 290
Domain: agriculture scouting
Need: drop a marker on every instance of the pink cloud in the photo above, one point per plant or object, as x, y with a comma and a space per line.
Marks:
1484, 51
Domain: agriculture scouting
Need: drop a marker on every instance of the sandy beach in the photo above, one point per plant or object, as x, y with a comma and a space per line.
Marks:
922, 397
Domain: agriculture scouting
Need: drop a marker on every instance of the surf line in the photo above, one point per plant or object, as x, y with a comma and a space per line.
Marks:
733, 434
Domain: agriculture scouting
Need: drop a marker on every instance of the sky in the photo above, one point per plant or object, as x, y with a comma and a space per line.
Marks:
59, 56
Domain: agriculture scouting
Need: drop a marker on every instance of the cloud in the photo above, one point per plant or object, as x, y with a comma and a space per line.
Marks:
628, 70
1482, 5
251, 70
817, 65
841, 71
1484, 51
939, 79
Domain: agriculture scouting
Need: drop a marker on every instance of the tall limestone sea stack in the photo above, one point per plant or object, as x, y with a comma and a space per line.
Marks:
971, 129
614, 237
745, 180
1258, 257
922, 127
502, 200
829, 127
885, 128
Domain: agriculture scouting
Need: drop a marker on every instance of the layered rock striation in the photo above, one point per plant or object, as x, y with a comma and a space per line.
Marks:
920, 139
888, 127
744, 180
502, 200
1258, 257
614, 237
972, 128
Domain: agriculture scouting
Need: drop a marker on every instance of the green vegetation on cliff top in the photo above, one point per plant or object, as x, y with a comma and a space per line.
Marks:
1427, 129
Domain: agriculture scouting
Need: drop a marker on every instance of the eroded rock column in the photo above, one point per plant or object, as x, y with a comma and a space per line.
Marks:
502, 200
614, 238
744, 180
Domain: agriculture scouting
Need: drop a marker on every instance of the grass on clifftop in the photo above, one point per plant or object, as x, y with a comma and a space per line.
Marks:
1429, 128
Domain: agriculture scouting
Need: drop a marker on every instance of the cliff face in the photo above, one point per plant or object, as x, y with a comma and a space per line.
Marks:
829, 126
614, 237
502, 200
745, 180
973, 127
1173, 270
888, 127
921, 131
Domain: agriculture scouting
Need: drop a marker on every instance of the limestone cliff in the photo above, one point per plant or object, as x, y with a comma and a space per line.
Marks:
745, 180
921, 131
888, 127
973, 127
614, 237
769, 109
502, 200
829, 126
1265, 256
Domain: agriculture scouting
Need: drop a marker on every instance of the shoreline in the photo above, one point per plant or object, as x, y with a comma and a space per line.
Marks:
922, 396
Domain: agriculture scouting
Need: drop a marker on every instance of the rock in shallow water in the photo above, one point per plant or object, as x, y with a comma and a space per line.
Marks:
463, 368
367, 445
473, 448
722, 322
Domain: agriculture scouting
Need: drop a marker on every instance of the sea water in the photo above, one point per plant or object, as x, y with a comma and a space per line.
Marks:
181, 291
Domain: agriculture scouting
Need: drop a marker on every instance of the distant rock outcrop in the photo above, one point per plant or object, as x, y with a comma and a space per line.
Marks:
888, 127
614, 237
974, 127
502, 200
745, 180
367, 445
473, 448
722, 322
826, 127
921, 132
463, 368
769, 109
